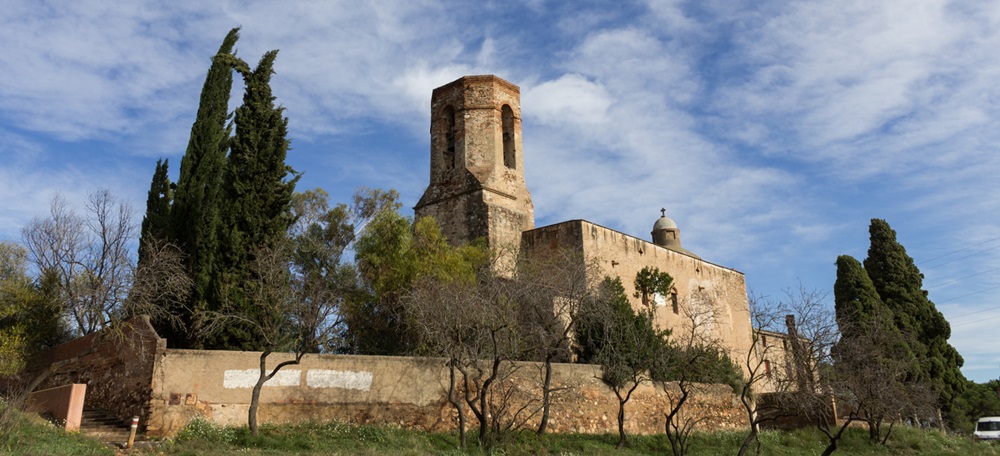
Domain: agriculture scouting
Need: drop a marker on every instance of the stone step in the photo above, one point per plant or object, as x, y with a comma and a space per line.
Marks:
102, 425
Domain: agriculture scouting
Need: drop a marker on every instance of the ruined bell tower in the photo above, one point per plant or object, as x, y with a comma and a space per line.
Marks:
477, 187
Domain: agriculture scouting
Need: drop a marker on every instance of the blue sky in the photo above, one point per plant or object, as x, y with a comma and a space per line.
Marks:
771, 131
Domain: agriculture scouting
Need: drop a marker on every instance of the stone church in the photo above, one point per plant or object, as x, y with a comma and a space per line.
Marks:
477, 190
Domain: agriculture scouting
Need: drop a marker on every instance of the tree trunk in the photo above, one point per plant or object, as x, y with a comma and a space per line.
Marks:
18, 402
674, 430
458, 406
888, 431
255, 396
873, 430
747, 441
263, 378
546, 396
621, 421
484, 424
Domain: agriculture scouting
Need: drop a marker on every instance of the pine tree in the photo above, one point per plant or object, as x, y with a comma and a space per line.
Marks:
195, 211
156, 222
257, 196
899, 284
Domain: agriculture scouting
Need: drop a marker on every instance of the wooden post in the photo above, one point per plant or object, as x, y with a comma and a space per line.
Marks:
131, 434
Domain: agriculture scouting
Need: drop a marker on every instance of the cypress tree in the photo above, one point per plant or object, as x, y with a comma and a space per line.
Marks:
156, 222
156, 230
856, 300
257, 195
861, 312
195, 212
899, 284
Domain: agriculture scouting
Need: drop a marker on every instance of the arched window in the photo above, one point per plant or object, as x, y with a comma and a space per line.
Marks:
507, 119
449, 150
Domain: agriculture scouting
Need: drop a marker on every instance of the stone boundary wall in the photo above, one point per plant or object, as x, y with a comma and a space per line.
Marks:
402, 391
134, 374
115, 364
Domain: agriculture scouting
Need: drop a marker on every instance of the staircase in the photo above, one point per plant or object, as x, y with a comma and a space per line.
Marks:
101, 425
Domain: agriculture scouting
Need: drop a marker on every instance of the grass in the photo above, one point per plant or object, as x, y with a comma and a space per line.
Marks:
32, 436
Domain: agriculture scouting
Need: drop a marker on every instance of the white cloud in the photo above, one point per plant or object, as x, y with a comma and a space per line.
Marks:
571, 99
771, 131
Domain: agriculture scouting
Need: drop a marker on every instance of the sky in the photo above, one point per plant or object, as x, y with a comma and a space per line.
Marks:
771, 131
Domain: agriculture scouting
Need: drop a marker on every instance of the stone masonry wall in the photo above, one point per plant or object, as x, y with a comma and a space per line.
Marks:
115, 364
408, 392
700, 285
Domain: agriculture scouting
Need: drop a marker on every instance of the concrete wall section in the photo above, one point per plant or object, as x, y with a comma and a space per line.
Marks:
64, 403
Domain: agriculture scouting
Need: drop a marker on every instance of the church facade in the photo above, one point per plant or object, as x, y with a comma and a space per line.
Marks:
477, 191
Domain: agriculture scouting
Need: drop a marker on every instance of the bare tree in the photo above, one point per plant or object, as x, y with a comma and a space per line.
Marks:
87, 262
693, 356
477, 327
552, 285
759, 373
161, 285
89, 256
877, 379
809, 376
790, 375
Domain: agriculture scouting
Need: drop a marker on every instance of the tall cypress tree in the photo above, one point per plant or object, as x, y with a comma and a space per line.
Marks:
257, 194
899, 284
156, 222
855, 297
195, 212
861, 312
156, 230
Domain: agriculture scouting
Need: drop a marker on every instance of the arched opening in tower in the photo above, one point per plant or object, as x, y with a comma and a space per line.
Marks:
507, 119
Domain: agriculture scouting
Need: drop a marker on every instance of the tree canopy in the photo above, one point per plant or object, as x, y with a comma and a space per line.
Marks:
889, 327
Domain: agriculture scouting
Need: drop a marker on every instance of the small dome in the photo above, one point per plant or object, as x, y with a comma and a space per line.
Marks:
664, 223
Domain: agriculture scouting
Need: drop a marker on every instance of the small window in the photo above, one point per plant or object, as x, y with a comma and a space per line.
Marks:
509, 152
449, 150
763, 340
767, 368
673, 302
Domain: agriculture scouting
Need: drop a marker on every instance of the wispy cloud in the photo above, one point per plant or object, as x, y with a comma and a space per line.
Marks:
771, 131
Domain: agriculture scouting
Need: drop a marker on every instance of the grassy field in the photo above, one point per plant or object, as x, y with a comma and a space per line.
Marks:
31, 436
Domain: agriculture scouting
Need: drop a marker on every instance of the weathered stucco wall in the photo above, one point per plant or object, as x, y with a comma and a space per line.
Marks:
216, 385
409, 392
702, 288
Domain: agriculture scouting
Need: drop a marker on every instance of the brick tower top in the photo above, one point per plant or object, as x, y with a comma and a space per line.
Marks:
477, 187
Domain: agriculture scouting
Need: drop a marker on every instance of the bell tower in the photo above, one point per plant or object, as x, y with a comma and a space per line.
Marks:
477, 187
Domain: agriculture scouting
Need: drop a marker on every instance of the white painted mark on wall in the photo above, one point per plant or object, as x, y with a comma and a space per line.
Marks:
322, 378
247, 378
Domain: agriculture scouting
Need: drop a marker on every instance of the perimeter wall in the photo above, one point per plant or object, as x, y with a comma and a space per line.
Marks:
404, 391
134, 374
